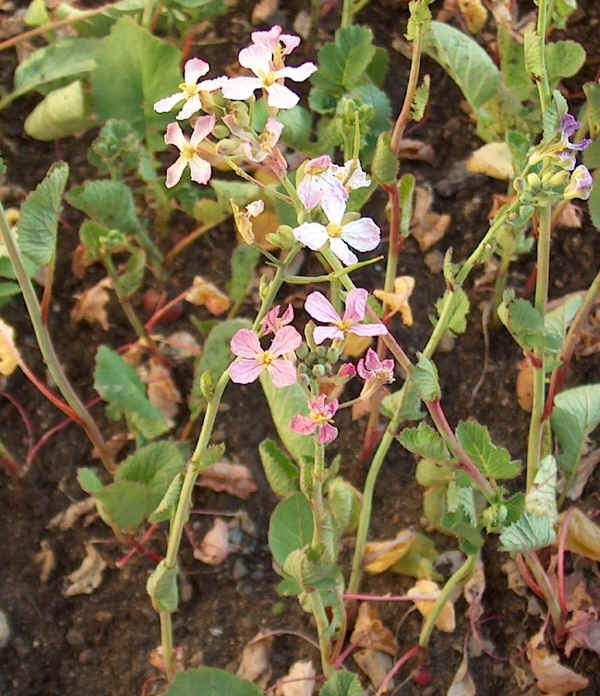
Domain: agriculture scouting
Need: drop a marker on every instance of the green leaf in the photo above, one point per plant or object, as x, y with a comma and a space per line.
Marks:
209, 212
38, 223
216, 356
558, 320
533, 47
131, 279
540, 500
240, 191
426, 380
37, 14
563, 59
553, 115
406, 190
594, 201
88, 480
208, 681
576, 414
343, 62
518, 145
425, 442
512, 64
592, 108
385, 165
284, 404
65, 111
431, 473
370, 95
492, 461
152, 71
97, 239
243, 264
321, 101
420, 100
8, 290
291, 527
591, 155
528, 534
378, 67
155, 466
208, 457
526, 325
344, 502
281, 473
118, 383
465, 61
124, 505
342, 683
297, 126
460, 310
116, 150
411, 405
162, 588
109, 203
165, 510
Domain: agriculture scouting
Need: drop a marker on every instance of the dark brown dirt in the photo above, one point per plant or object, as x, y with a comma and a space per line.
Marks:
99, 644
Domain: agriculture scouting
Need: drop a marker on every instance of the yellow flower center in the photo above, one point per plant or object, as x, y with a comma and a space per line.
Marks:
334, 231
344, 325
318, 417
188, 152
265, 358
269, 79
188, 90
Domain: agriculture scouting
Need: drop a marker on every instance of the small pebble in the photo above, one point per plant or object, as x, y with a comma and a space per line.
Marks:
240, 569
75, 637
215, 631
4, 630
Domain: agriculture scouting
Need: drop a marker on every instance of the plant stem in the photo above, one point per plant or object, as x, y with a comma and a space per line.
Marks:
545, 586
166, 642
543, 20
320, 615
47, 347
346, 19
534, 442
461, 575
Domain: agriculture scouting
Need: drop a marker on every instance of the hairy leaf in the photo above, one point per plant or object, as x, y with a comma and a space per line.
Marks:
291, 527
110, 203
385, 165
576, 414
460, 310
281, 473
208, 681
426, 380
492, 461
528, 534
425, 442
541, 498
342, 62
342, 683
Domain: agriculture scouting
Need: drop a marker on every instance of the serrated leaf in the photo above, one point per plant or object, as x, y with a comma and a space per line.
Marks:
110, 203
425, 442
465, 61
131, 279
553, 115
426, 380
342, 62
281, 473
385, 165
576, 414
563, 59
118, 383
492, 461
460, 310
420, 99
153, 70
526, 325
116, 150
533, 47
540, 500
528, 534
63, 112
243, 264
297, 126
208, 457
208, 681
370, 95
291, 527
38, 223
342, 683
165, 510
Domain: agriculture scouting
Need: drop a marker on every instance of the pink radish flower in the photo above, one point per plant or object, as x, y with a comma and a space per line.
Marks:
199, 168
319, 419
319, 178
252, 359
321, 309
189, 90
371, 368
272, 322
362, 234
256, 148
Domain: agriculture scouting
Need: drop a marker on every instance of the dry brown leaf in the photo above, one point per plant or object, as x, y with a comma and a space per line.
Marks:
583, 631
397, 301
299, 681
381, 555
474, 14
45, 558
571, 215
492, 159
263, 10
255, 665
375, 665
157, 661
585, 469
91, 304
88, 576
427, 227
113, 446
204, 293
181, 345
80, 261
409, 148
234, 479
67, 518
515, 580
525, 379
162, 392
214, 548
583, 535
9, 355
551, 676
473, 592
462, 684
370, 632
446, 621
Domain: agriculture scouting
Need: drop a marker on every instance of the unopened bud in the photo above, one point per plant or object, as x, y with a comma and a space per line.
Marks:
308, 334
319, 371
302, 351
263, 287
333, 355
558, 180
533, 181
220, 131
286, 235
227, 147
207, 385
239, 110
321, 352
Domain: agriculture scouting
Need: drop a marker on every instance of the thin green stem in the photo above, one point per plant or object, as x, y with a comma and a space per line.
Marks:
543, 20
546, 587
47, 347
166, 642
346, 19
320, 615
453, 582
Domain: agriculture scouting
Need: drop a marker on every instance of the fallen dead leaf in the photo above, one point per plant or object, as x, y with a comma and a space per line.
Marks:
370, 632
427, 227
254, 665
583, 535
67, 518
204, 293
88, 576
462, 684
397, 301
91, 304
234, 479
381, 555
585, 469
492, 159
552, 677
299, 681
214, 548
446, 621
375, 665
80, 261
410, 148
45, 558
263, 10
181, 345
162, 392
9, 355
514, 579
113, 446
583, 631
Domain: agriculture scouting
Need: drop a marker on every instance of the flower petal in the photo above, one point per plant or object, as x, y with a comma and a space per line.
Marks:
334, 202
310, 192
175, 171
212, 85
241, 87
339, 248
257, 58
356, 304
324, 333
372, 361
245, 344
281, 97
303, 425
274, 128
283, 373
244, 370
290, 42
320, 308
166, 104
327, 433
203, 127
190, 107
363, 234
311, 234
286, 340
298, 74
268, 39
174, 136
369, 330
194, 69
200, 170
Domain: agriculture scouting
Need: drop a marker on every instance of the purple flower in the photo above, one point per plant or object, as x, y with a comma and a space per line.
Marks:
252, 360
319, 419
189, 90
199, 168
580, 184
321, 309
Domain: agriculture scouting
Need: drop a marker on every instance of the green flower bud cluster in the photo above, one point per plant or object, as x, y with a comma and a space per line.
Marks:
283, 238
316, 363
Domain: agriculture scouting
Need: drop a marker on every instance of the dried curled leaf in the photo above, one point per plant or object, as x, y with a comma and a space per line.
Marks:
446, 621
583, 631
427, 227
583, 535
9, 355
381, 555
214, 548
204, 293
234, 479
67, 518
45, 558
88, 576
492, 159
397, 301
369, 631
299, 681
91, 304
255, 665
375, 665
162, 392
552, 677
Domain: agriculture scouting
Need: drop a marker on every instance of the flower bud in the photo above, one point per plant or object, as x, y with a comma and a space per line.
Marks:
263, 287
239, 111
302, 351
557, 180
580, 185
207, 385
533, 181
227, 147
321, 352
333, 355
319, 371
220, 131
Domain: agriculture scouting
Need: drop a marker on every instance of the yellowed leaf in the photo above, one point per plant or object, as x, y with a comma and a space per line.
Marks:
299, 681
381, 555
91, 304
214, 548
583, 535
397, 301
88, 576
234, 479
9, 355
375, 665
492, 159
474, 13
204, 293
446, 621
370, 632
552, 677
255, 665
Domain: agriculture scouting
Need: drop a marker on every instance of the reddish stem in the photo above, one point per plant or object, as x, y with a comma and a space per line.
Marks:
11, 464
560, 571
530, 284
160, 313
531, 583
396, 668
339, 663
138, 547
61, 405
